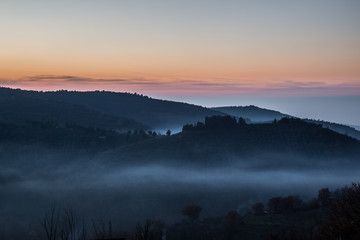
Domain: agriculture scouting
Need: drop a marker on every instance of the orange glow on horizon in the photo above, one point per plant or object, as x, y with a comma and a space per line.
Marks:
182, 48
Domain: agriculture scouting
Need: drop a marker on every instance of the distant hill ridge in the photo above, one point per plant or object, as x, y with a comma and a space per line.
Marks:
256, 114
219, 137
148, 111
253, 113
222, 137
340, 128
18, 106
126, 111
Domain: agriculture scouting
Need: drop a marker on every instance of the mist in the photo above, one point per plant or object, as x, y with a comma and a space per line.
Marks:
127, 193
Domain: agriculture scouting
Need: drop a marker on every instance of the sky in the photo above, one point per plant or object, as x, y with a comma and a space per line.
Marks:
301, 57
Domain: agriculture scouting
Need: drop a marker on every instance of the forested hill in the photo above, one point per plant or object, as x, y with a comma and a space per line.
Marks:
340, 128
220, 137
151, 112
67, 136
17, 107
253, 113
124, 111
216, 138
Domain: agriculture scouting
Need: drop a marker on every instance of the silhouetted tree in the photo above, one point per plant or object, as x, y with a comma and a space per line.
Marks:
287, 204
157, 229
63, 226
343, 220
168, 133
230, 224
313, 203
187, 127
143, 231
324, 196
274, 205
192, 211
70, 228
142, 133
200, 126
258, 208
50, 223
293, 232
220, 122
241, 121
290, 204
68, 225
102, 230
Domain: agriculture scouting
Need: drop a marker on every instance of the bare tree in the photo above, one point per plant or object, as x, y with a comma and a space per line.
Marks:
82, 232
50, 222
102, 230
70, 228
143, 231
63, 226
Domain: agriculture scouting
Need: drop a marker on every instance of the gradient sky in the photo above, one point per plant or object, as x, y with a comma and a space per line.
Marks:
188, 50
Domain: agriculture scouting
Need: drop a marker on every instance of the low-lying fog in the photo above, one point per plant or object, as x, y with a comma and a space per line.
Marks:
128, 194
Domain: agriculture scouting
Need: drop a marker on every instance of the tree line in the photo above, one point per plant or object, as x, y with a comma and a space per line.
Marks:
338, 217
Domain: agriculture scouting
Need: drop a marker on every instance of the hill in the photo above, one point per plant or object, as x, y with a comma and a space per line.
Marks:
355, 127
159, 114
223, 138
340, 128
253, 113
62, 136
125, 111
218, 139
17, 107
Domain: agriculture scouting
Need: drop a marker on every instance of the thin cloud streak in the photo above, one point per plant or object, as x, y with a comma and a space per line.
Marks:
184, 87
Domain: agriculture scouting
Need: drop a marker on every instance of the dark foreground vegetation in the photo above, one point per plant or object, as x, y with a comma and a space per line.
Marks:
331, 215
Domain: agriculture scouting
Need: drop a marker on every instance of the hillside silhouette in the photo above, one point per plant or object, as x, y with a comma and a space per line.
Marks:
125, 111
340, 128
252, 113
148, 111
54, 135
219, 138
16, 107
